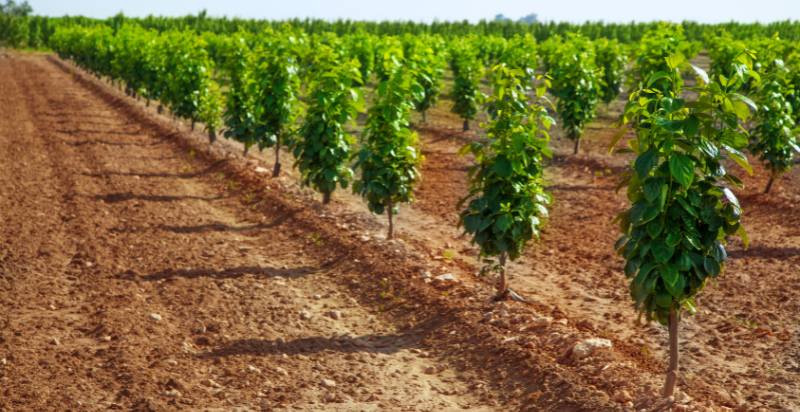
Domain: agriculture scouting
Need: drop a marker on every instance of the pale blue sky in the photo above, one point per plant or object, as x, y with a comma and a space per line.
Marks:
427, 10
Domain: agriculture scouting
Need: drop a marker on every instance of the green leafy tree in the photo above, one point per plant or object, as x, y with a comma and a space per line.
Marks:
507, 201
658, 44
576, 86
240, 105
428, 68
611, 59
325, 148
774, 130
467, 73
681, 208
275, 76
389, 158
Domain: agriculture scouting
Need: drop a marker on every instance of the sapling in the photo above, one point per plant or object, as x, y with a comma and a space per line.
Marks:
323, 150
389, 158
682, 210
507, 201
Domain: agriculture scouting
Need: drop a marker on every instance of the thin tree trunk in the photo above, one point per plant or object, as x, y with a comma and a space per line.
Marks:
672, 371
326, 198
246, 149
466, 125
502, 281
193, 122
424, 116
577, 146
276, 171
771, 181
212, 136
390, 212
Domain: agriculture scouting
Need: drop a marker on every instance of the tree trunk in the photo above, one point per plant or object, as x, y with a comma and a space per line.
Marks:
672, 371
390, 212
466, 125
577, 146
160, 108
193, 122
246, 149
276, 171
424, 116
771, 181
147, 102
212, 136
502, 281
326, 198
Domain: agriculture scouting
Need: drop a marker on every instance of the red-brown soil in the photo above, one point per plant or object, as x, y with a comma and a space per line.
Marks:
140, 269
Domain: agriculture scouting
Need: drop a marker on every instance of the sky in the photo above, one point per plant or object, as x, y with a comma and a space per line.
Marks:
709, 11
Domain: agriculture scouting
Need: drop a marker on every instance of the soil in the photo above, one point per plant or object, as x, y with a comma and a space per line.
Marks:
141, 269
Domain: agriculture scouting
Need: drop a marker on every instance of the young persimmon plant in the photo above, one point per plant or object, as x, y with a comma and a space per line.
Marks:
682, 211
775, 140
611, 59
467, 73
240, 106
278, 84
428, 70
389, 158
576, 86
507, 202
323, 151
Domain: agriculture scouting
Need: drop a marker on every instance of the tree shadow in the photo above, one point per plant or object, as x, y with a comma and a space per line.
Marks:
765, 252
189, 175
373, 343
126, 196
221, 227
78, 131
229, 273
80, 143
581, 162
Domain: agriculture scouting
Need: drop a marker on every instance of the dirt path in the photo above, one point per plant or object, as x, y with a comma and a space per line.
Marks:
132, 278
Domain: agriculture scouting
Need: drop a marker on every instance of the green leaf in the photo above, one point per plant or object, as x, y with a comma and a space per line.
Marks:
655, 227
711, 266
739, 158
669, 274
646, 162
662, 252
502, 167
681, 167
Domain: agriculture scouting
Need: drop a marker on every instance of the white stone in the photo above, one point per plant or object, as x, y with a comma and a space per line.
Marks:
261, 170
328, 383
447, 277
586, 347
155, 316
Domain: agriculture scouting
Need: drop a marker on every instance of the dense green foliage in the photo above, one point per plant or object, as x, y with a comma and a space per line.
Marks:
774, 130
611, 58
389, 158
507, 202
428, 68
324, 149
467, 73
576, 85
681, 209
277, 84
